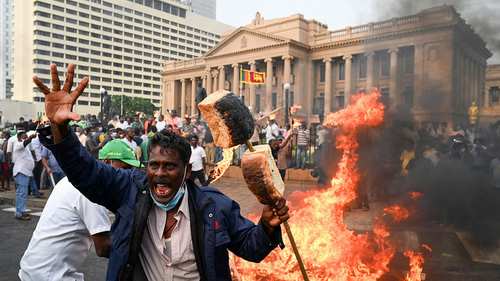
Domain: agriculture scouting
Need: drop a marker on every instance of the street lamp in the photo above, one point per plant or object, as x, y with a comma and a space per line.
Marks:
286, 87
103, 94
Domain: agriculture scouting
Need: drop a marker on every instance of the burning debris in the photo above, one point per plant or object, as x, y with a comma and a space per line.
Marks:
331, 251
397, 212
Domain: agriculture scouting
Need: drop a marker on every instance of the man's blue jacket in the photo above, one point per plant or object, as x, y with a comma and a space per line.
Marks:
216, 222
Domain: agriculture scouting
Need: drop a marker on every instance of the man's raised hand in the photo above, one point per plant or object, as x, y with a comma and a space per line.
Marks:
59, 102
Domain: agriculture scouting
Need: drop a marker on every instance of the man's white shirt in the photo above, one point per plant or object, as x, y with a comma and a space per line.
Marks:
10, 145
24, 162
169, 259
61, 240
160, 125
196, 160
272, 131
132, 144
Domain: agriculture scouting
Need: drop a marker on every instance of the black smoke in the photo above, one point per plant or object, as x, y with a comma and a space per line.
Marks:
458, 191
482, 15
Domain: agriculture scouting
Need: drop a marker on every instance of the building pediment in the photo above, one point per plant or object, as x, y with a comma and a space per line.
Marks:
244, 39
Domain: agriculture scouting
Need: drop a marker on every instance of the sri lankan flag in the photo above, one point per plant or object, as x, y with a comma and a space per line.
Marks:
252, 77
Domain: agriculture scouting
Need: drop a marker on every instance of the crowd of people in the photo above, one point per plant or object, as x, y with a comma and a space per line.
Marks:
144, 170
293, 147
165, 226
396, 157
399, 146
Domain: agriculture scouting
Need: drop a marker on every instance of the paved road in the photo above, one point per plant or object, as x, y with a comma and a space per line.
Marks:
14, 238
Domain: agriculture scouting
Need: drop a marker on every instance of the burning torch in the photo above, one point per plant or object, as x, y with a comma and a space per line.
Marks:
231, 124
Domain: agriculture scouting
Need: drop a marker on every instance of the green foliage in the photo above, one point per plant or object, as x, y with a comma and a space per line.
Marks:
131, 105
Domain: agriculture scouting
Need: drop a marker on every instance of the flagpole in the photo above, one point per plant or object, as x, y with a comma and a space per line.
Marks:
241, 83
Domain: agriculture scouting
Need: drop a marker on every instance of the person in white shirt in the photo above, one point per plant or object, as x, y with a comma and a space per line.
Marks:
161, 124
10, 145
272, 130
23, 173
63, 236
128, 138
197, 161
69, 224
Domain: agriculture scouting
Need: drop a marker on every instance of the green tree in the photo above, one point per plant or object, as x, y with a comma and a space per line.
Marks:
131, 105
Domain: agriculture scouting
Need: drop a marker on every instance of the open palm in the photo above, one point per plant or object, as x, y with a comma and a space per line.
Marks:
59, 102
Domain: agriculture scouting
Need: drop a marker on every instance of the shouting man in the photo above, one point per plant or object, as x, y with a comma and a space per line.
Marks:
166, 227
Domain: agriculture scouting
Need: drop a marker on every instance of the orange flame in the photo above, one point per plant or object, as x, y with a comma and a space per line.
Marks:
331, 252
416, 266
415, 195
397, 212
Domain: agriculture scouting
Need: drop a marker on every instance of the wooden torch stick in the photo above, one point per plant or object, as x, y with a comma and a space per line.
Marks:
289, 234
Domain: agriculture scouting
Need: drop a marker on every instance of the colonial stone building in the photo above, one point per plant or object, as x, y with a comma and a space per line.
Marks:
431, 63
490, 111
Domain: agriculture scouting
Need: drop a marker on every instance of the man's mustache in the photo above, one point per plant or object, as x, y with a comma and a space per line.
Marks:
160, 181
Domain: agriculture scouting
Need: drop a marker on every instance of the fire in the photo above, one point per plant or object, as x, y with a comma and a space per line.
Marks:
331, 252
397, 212
415, 195
416, 265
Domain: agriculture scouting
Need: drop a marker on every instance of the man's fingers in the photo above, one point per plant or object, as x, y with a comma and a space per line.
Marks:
80, 88
69, 78
284, 218
282, 211
72, 116
45, 90
56, 84
280, 203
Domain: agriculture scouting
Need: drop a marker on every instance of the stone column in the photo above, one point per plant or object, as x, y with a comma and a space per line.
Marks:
472, 81
183, 97
287, 72
348, 79
204, 81
393, 82
222, 77
193, 95
209, 82
483, 86
215, 80
419, 75
236, 79
476, 82
328, 85
467, 82
463, 82
252, 88
269, 84
370, 73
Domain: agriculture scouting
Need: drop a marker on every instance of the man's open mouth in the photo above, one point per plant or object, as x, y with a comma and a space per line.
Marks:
162, 190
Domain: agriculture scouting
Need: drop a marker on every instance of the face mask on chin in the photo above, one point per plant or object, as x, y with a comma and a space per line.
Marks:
175, 200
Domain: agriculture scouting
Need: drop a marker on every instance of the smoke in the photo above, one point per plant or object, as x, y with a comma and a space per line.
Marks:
482, 15
457, 193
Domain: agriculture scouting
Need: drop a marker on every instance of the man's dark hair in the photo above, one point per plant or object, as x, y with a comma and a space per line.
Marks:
152, 128
169, 140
